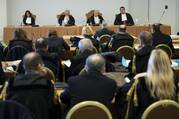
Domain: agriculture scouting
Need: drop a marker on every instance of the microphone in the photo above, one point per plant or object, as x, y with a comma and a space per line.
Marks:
166, 7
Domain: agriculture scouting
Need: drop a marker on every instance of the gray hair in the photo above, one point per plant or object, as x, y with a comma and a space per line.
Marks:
85, 44
145, 38
95, 62
31, 61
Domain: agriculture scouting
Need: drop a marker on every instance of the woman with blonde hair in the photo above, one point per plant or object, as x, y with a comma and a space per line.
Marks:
87, 32
157, 83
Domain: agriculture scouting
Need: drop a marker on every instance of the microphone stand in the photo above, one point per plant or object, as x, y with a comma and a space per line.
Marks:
162, 15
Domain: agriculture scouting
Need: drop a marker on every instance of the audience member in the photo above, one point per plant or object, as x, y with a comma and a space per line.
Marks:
143, 52
87, 32
32, 89
28, 18
154, 85
78, 62
96, 19
123, 18
57, 44
121, 38
161, 38
51, 60
19, 39
66, 19
103, 31
2, 77
91, 86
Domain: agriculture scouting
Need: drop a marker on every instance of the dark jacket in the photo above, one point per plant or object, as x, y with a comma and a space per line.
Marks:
77, 63
32, 21
21, 48
118, 20
103, 31
51, 60
91, 86
35, 92
71, 20
13, 110
142, 58
57, 45
121, 39
160, 38
91, 20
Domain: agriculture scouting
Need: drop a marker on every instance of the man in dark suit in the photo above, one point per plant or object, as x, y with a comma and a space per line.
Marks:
57, 44
33, 89
121, 38
66, 19
143, 52
51, 60
103, 31
78, 62
123, 18
91, 86
161, 38
96, 19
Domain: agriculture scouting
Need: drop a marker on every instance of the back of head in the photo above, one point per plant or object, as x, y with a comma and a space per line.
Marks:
19, 34
156, 27
122, 28
52, 33
145, 38
160, 75
41, 43
87, 30
85, 44
31, 61
95, 62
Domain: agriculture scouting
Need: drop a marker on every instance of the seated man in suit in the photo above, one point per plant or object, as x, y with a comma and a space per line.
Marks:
123, 18
57, 44
91, 86
143, 52
78, 62
51, 60
96, 19
121, 38
66, 19
33, 89
103, 31
161, 38
28, 18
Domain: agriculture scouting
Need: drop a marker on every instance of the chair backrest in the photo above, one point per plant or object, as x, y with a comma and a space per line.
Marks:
91, 13
16, 53
82, 72
104, 38
89, 110
13, 110
126, 51
165, 48
58, 15
163, 109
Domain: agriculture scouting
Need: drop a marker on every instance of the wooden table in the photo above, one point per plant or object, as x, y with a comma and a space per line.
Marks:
36, 32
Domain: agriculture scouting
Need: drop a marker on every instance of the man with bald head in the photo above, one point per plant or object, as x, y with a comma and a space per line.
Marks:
96, 19
121, 38
93, 85
33, 88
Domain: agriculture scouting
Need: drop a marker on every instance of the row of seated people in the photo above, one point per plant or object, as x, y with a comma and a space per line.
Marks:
144, 89
94, 17
117, 40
